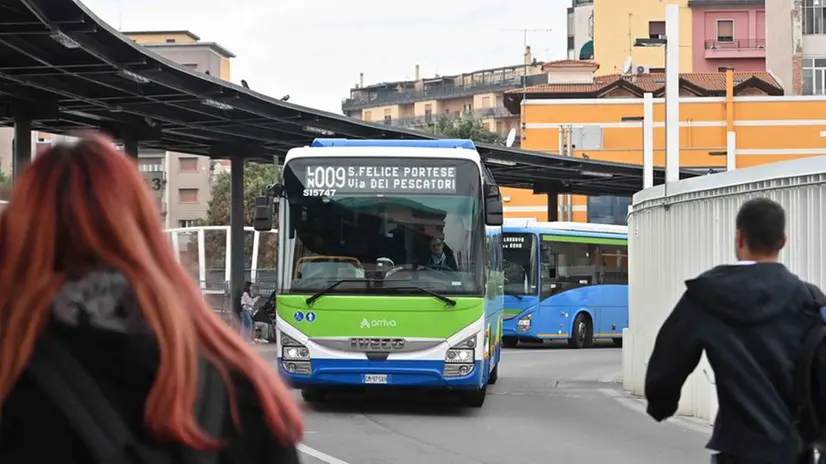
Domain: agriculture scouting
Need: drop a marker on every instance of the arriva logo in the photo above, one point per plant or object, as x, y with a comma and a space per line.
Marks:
367, 324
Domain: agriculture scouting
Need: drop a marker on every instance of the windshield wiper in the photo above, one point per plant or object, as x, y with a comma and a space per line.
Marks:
311, 299
514, 294
439, 296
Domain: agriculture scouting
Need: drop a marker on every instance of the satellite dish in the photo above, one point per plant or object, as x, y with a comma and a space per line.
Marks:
626, 68
511, 138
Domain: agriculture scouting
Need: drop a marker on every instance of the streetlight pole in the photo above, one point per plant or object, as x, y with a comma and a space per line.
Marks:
671, 42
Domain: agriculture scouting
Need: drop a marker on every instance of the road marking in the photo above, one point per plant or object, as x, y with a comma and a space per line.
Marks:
637, 405
324, 457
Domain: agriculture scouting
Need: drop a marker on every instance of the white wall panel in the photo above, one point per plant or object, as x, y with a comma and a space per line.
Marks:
678, 233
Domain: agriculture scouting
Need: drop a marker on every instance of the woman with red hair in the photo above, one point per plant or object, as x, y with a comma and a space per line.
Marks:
90, 292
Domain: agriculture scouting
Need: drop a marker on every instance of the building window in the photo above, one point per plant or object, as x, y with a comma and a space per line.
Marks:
571, 43
190, 65
388, 118
725, 30
814, 17
724, 68
428, 113
188, 195
485, 102
608, 210
186, 222
814, 76
188, 164
656, 29
170, 41
367, 116
467, 108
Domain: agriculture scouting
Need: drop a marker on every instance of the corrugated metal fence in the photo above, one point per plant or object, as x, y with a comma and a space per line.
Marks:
676, 235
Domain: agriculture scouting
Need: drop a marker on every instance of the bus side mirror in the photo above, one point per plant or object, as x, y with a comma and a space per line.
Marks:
493, 206
263, 213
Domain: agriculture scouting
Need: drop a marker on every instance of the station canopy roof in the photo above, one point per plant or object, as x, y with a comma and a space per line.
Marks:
66, 70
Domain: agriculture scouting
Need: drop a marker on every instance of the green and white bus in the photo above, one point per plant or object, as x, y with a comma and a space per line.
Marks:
389, 267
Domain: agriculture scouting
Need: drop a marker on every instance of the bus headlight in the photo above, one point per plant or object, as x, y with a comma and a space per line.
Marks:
295, 357
460, 359
524, 323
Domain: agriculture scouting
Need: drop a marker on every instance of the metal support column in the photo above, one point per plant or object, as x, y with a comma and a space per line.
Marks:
553, 207
130, 145
22, 155
236, 228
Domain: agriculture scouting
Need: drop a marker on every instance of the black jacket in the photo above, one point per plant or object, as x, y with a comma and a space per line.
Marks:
123, 359
750, 320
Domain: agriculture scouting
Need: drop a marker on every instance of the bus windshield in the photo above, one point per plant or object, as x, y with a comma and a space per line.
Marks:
397, 225
520, 263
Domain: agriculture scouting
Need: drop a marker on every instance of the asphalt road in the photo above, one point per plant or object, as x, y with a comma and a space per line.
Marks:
550, 404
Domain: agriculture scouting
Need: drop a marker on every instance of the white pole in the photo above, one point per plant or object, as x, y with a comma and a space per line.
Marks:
672, 93
648, 140
731, 151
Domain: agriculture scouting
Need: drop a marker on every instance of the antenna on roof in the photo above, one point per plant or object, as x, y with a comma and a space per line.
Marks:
511, 138
626, 68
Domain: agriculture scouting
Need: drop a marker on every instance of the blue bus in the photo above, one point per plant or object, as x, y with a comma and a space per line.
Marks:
564, 281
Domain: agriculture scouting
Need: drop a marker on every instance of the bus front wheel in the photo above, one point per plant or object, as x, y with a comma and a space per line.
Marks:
475, 398
494, 375
313, 395
582, 335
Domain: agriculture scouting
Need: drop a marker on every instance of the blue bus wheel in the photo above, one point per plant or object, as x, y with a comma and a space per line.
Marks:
494, 375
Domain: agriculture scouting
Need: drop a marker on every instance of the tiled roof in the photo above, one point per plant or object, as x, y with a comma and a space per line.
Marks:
707, 82
559, 64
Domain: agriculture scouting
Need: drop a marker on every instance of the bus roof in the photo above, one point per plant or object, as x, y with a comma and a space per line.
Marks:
551, 228
439, 143
569, 226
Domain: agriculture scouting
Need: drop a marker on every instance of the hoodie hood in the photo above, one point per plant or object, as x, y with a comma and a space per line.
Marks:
745, 294
100, 299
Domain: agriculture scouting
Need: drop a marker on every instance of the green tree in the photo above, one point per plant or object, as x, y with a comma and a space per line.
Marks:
256, 177
465, 127
5, 185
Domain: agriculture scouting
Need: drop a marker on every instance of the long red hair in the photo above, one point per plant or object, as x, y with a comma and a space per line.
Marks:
84, 206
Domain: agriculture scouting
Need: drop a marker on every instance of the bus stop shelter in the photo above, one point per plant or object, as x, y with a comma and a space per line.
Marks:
62, 70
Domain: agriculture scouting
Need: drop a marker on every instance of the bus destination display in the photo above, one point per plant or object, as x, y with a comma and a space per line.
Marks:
515, 242
328, 181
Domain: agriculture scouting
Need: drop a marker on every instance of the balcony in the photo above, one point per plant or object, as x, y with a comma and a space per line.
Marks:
737, 48
444, 93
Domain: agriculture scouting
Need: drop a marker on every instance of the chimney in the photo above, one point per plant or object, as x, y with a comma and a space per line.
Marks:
417, 73
361, 80
528, 56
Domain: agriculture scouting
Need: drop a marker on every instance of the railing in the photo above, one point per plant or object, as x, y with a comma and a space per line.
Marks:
736, 44
199, 249
396, 98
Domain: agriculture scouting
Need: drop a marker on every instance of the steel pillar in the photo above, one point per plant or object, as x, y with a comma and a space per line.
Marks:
22, 155
130, 145
553, 206
235, 254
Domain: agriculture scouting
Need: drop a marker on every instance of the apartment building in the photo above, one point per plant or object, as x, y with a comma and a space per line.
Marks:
618, 23
182, 181
796, 45
420, 102
581, 30
728, 34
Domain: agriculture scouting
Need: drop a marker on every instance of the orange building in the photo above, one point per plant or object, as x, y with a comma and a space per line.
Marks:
600, 117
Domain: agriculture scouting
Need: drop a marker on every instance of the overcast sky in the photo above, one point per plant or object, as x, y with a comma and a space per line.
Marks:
314, 50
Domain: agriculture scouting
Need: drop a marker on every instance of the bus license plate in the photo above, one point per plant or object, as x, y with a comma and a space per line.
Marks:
375, 378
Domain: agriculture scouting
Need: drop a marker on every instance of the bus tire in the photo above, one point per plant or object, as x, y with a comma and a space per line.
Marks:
475, 398
494, 375
582, 333
313, 395
617, 341
510, 342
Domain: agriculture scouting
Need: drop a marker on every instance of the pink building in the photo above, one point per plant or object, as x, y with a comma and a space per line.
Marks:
728, 34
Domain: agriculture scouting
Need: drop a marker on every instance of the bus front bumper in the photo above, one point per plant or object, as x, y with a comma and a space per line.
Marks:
350, 373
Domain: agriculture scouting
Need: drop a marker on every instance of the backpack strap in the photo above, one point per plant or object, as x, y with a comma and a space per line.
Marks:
67, 383
70, 387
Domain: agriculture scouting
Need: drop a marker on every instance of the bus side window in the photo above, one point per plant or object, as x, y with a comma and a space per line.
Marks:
547, 271
615, 263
